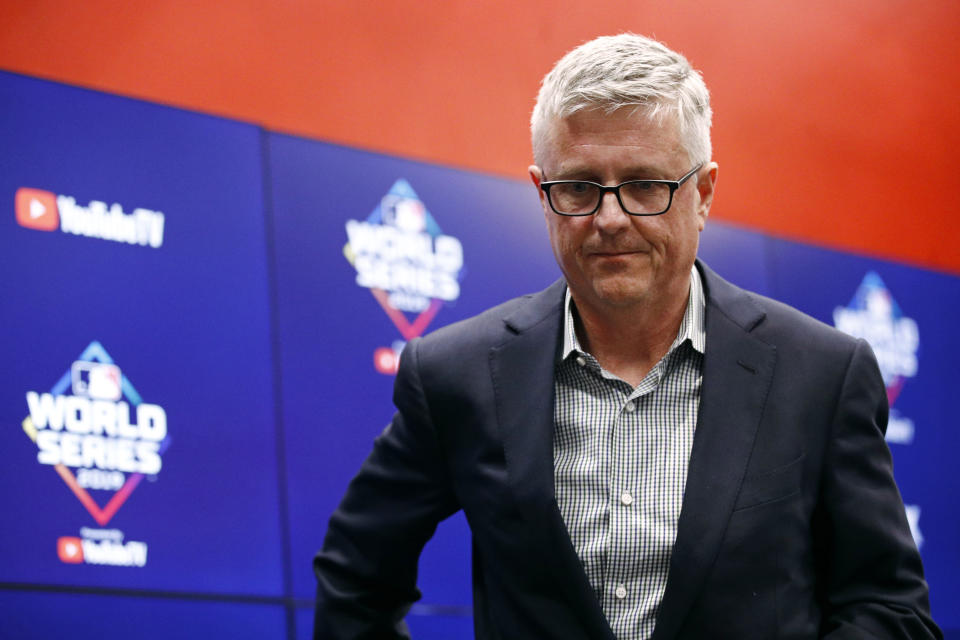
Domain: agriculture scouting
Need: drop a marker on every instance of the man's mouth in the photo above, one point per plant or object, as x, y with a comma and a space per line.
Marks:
612, 253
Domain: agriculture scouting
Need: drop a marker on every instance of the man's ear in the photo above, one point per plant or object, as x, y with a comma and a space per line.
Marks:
706, 185
536, 177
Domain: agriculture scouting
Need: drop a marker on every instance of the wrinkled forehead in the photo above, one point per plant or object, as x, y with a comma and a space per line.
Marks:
603, 125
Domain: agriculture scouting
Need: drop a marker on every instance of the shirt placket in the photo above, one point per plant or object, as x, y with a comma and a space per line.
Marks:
628, 446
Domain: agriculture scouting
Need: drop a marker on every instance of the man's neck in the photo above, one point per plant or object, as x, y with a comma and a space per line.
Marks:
629, 341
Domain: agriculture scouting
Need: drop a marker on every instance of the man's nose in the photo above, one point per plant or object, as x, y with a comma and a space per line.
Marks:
610, 217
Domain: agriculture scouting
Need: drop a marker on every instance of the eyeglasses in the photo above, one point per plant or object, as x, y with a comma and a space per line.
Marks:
636, 197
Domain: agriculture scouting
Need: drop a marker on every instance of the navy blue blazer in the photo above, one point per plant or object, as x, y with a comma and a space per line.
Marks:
791, 525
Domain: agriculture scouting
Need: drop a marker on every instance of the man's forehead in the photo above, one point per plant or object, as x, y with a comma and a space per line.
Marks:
601, 119
647, 145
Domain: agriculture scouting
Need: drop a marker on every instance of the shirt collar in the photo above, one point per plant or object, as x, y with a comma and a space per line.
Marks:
691, 327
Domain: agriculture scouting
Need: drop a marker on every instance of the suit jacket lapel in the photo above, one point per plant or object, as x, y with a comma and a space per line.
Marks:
522, 369
737, 371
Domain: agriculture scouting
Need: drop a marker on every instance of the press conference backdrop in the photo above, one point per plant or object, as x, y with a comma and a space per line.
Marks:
202, 320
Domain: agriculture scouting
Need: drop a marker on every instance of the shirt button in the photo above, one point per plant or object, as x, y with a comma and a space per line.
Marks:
626, 498
581, 361
621, 592
631, 407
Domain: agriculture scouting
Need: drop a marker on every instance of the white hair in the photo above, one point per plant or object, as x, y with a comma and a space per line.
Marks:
626, 70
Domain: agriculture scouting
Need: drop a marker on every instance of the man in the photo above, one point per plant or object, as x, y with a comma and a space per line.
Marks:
642, 449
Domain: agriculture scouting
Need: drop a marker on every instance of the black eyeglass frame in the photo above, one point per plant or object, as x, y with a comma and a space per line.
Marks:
673, 184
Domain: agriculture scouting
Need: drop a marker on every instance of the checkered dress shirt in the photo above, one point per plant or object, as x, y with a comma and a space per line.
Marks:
620, 465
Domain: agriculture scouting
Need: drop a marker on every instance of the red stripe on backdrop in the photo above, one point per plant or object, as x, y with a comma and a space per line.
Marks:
835, 121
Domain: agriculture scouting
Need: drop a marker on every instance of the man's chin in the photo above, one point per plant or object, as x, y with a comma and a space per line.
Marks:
620, 292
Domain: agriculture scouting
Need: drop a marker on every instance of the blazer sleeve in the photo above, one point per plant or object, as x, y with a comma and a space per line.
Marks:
367, 568
870, 567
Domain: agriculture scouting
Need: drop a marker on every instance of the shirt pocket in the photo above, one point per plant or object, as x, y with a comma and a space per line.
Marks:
771, 486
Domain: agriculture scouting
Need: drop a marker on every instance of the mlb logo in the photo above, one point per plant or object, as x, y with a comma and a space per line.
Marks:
406, 214
96, 380
37, 209
879, 304
70, 550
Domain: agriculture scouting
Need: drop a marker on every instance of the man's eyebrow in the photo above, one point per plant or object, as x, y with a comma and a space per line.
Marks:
635, 172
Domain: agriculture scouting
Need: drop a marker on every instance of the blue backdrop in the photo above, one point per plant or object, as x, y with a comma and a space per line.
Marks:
201, 324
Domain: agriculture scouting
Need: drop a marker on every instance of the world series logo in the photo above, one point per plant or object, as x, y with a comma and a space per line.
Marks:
96, 432
876, 317
410, 266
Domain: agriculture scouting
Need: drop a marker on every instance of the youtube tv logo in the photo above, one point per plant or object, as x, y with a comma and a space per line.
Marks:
70, 549
37, 209
46, 211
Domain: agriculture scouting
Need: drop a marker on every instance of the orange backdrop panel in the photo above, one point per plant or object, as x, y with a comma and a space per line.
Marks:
836, 122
